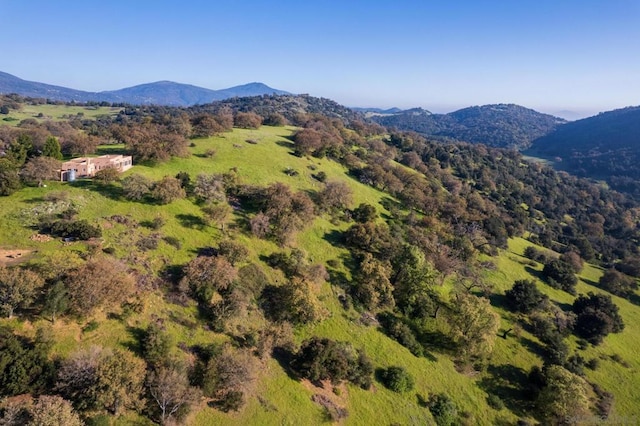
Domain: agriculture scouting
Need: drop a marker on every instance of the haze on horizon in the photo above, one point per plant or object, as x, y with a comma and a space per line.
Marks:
552, 56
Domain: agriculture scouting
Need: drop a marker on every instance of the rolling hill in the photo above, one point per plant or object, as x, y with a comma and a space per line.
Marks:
605, 146
501, 125
386, 260
158, 93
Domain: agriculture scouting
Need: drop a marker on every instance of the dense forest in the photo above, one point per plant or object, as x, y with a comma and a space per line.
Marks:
414, 259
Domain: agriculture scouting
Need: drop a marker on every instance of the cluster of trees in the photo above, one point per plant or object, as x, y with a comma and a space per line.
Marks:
560, 390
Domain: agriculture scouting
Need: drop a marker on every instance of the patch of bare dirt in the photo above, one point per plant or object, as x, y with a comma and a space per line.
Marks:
331, 398
13, 256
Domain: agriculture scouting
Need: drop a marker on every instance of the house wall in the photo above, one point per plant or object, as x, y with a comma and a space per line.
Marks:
88, 166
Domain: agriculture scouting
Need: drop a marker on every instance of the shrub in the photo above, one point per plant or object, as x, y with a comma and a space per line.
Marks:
397, 379
230, 401
617, 283
398, 330
597, 316
325, 359
592, 364
173, 241
78, 229
149, 242
561, 274
534, 254
443, 409
91, 326
495, 402
320, 176
157, 222
524, 296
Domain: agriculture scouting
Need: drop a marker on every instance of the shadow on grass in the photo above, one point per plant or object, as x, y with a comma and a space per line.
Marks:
191, 221
284, 358
135, 345
533, 347
510, 384
499, 300
436, 341
286, 144
109, 190
535, 273
566, 307
334, 237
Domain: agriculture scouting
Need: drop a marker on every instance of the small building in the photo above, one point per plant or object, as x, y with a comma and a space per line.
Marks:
88, 166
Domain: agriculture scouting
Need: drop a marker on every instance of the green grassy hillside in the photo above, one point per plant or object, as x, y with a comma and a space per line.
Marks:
278, 398
55, 113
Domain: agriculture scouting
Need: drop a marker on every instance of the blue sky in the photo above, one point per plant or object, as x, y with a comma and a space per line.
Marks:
547, 55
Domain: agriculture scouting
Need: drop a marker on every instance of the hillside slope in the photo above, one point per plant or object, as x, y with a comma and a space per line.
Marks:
502, 125
606, 146
413, 279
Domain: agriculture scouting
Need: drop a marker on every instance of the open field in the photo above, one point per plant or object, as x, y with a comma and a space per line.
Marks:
55, 113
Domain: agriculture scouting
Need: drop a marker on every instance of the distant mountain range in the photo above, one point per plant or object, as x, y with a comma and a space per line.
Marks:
158, 93
501, 125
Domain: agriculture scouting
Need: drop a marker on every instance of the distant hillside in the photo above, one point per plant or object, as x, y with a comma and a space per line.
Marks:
502, 125
158, 93
393, 110
290, 106
606, 146
13, 84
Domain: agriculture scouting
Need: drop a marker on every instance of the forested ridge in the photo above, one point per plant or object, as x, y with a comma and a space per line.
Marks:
605, 146
208, 273
501, 125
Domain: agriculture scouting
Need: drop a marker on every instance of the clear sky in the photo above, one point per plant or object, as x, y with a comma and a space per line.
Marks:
441, 55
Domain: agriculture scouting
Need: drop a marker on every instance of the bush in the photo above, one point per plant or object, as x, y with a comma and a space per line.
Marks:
325, 359
399, 331
443, 409
597, 316
320, 176
157, 223
397, 379
592, 364
173, 241
561, 274
495, 402
149, 242
230, 401
534, 254
77, 229
617, 283
524, 296
91, 326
